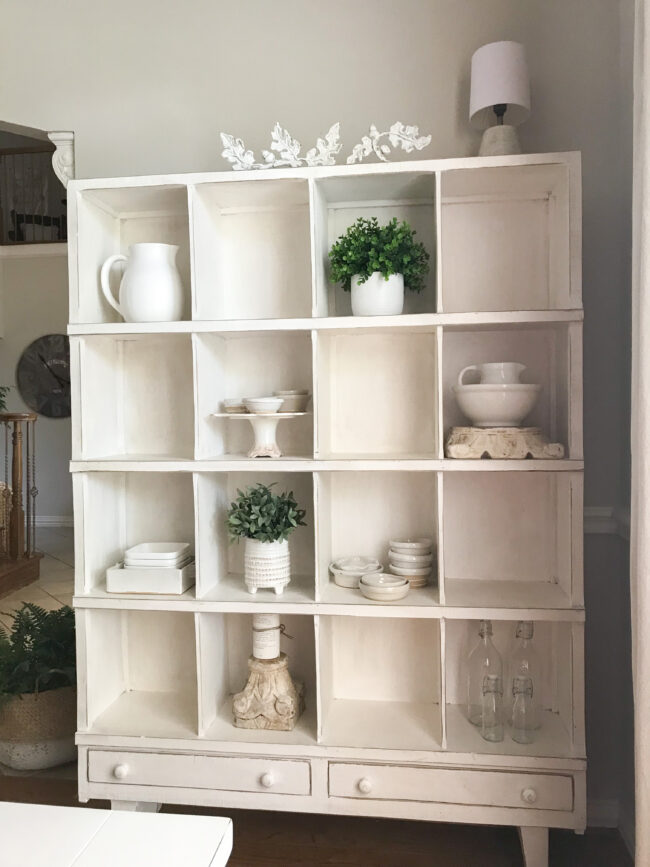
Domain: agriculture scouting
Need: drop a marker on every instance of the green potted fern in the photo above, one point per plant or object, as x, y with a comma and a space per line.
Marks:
37, 688
376, 263
265, 521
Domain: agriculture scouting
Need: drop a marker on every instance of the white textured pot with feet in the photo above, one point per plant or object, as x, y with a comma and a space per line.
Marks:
266, 565
378, 296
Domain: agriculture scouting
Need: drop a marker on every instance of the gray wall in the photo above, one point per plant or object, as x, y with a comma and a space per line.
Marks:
148, 86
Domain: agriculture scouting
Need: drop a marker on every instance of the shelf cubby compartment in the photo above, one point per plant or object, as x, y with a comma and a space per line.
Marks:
524, 548
359, 512
109, 221
225, 642
130, 508
557, 645
250, 364
337, 202
505, 239
220, 575
379, 682
251, 249
553, 358
137, 401
141, 673
376, 394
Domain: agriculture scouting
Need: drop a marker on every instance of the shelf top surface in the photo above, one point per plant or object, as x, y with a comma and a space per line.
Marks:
425, 322
240, 463
305, 173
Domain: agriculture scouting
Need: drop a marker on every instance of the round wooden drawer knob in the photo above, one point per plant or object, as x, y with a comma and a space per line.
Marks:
529, 796
365, 786
267, 780
120, 771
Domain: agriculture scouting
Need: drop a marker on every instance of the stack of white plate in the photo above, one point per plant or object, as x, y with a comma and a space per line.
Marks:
411, 559
153, 567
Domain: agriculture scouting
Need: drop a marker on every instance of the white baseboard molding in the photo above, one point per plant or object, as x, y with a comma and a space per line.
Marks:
614, 520
603, 813
54, 521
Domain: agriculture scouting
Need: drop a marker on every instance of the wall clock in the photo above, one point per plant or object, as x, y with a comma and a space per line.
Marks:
43, 376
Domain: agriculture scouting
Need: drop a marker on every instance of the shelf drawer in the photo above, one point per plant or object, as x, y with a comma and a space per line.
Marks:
200, 772
451, 786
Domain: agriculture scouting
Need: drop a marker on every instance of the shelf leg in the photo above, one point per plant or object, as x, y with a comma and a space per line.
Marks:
136, 806
534, 844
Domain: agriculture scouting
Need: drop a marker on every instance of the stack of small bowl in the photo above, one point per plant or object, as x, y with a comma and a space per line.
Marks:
411, 559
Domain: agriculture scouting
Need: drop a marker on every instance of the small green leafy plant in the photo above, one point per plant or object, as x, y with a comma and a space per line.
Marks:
367, 247
38, 652
4, 391
258, 513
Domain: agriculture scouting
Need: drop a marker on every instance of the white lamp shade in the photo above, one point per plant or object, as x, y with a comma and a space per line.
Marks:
499, 75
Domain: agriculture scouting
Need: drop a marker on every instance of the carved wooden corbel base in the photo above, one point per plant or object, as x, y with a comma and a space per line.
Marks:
509, 443
270, 699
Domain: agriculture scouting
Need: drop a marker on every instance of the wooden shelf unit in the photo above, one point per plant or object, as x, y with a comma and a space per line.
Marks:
384, 683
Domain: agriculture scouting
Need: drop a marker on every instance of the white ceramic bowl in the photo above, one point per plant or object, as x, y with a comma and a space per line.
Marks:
382, 587
293, 401
357, 565
407, 560
412, 546
407, 571
234, 404
262, 404
496, 405
349, 580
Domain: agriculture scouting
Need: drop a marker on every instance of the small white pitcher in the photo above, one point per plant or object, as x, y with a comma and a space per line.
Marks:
495, 372
151, 289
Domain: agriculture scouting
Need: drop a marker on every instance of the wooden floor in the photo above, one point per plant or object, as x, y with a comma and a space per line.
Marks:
291, 839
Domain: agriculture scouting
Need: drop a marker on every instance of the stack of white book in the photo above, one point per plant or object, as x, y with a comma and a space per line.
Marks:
153, 567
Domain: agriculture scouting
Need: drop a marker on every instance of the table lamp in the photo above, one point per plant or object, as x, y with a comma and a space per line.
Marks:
500, 89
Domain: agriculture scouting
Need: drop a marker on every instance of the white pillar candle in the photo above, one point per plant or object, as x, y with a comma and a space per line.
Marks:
266, 636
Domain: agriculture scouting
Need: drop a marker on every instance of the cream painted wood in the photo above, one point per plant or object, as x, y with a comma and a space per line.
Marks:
384, 683
489, 788
534, 844
210, 772
412, 322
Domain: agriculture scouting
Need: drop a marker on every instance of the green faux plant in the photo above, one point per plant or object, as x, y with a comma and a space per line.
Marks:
258, 513
367, 247
4, 391
38, 652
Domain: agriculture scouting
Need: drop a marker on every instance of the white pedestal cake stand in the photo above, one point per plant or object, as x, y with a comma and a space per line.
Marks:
265, 425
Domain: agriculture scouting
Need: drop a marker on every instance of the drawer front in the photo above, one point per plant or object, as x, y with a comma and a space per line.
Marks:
450, 786
200, 772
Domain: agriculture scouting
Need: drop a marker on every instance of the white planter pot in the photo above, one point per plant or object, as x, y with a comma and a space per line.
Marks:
266, 565
378, 296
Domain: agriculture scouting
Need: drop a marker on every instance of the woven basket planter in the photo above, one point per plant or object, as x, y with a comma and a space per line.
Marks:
266, 564
37, 729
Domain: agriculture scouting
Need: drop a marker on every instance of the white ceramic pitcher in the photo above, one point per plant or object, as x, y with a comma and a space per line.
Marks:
495, 372
151, 289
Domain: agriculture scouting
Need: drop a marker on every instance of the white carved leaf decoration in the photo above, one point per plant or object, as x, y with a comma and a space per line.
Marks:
407, 138
285, 150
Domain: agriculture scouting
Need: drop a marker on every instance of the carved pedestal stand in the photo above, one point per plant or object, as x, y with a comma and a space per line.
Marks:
270, 699
19, 562
501, 443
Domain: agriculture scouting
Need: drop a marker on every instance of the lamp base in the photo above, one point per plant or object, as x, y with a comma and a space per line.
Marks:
499, 140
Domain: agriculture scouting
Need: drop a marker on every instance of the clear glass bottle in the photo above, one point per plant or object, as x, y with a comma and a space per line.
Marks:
525, 662
485, 659
523, 720
492, 708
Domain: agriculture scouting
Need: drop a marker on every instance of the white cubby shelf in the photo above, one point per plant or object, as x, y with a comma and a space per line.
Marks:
154, 458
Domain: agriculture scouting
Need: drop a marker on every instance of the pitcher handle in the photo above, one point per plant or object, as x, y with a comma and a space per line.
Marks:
103, 279
464, 371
